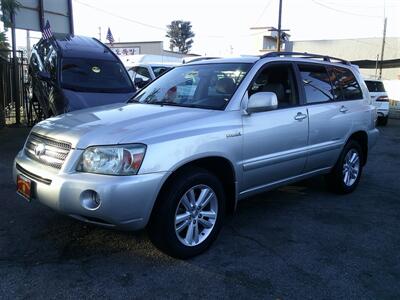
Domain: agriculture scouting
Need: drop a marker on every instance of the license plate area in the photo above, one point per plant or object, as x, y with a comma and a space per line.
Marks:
25, 187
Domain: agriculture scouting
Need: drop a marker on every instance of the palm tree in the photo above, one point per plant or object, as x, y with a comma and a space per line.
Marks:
8, 7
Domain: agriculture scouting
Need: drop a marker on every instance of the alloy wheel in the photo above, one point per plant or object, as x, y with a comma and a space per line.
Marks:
196, 215
351, 167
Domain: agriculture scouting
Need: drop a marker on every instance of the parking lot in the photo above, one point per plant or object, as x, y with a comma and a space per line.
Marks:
299, 242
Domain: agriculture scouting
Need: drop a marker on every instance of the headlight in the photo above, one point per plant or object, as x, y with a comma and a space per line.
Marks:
112, 160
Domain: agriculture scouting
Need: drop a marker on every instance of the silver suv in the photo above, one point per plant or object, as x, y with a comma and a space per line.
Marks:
184, 150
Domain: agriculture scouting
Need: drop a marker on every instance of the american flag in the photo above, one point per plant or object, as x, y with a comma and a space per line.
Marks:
110, 37
46, 33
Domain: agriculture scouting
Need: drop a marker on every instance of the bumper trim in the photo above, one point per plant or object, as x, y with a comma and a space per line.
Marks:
32, 176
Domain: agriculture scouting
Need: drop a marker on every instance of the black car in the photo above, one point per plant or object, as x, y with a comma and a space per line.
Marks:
73, 72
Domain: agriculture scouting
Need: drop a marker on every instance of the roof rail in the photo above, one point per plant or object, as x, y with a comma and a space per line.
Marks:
305, 55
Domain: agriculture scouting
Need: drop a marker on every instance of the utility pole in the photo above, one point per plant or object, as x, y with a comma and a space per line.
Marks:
376, 66
280, 32
278, 44
383, 47
100, 33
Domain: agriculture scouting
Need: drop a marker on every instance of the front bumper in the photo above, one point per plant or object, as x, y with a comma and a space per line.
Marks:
126, 202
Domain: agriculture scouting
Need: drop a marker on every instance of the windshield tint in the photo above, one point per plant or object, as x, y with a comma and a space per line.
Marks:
375, 86
96, 76
203, 86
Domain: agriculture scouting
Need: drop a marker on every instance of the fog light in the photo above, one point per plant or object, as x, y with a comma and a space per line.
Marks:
90, 200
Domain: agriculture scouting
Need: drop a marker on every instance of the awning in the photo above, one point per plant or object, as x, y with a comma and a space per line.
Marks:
371, 64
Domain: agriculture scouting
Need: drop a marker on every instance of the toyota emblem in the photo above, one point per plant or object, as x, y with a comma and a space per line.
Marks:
40, 149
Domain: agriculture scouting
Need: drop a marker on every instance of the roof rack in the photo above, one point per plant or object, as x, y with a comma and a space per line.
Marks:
305, 55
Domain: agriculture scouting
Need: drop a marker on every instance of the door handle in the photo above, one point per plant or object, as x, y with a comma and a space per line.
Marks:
343, 109
300, 116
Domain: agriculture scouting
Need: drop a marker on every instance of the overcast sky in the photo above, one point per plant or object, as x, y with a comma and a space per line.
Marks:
222, 26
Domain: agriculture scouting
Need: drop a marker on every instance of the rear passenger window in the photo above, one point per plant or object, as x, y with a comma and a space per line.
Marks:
350, 88
316, 83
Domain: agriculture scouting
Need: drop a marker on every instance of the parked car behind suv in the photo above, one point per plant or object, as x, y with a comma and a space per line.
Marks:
199, 139
380, 99
142, 74
74, 72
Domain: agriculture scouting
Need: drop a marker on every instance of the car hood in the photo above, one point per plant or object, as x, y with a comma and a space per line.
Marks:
123, 123
78, 100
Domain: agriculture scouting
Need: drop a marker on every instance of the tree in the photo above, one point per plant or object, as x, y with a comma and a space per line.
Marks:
4, 45
8, 7
180, 36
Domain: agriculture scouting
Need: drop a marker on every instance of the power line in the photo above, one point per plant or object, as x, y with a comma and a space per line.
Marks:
343, 11
120, 17
263, 11
137, 22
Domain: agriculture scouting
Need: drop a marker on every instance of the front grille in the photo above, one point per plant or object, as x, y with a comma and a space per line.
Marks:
53, 152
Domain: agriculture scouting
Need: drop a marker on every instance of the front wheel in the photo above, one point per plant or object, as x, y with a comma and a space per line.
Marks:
188, 215
346, 174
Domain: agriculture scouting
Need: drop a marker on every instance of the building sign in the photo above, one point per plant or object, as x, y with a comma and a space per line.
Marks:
126, 50
33, 14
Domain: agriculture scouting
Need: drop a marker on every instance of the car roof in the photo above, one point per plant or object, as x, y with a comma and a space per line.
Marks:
241, 59
82, 47
254, 59
169, 65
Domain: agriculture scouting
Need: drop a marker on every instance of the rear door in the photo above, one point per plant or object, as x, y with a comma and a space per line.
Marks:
274, 141
328, 92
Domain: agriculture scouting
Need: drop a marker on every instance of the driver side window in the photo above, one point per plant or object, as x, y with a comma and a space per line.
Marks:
278, 79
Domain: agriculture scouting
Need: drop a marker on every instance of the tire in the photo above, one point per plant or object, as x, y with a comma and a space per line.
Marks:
383, 121
337, 179
174, 237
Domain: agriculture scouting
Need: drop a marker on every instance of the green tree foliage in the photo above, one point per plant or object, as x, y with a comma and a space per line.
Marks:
180, 35
8, 7
4, 45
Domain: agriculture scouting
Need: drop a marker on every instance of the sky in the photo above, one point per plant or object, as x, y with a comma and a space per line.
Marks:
222, 27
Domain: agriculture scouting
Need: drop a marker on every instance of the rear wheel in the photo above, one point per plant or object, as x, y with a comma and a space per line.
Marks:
189, 214
383, 120
346, 174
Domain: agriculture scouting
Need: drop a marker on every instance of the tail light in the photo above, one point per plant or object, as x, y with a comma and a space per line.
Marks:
382, 99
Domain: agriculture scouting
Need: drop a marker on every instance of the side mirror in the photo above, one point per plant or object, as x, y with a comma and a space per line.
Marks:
262, 101
139, 82
45, 76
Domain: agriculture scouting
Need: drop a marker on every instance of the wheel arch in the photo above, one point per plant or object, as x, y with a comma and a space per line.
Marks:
361, 137
220, 166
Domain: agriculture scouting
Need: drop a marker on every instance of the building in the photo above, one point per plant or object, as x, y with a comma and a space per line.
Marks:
353, 50
143, 48
264, 39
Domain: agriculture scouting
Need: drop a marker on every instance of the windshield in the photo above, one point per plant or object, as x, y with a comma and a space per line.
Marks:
97, 76
375, 86
204, 86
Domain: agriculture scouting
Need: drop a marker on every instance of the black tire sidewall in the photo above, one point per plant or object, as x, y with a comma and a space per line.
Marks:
163, 221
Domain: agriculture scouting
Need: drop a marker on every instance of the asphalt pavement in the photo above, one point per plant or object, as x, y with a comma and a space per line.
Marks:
297, 242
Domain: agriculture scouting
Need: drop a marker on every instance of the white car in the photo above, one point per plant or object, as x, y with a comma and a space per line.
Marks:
142, 74
379, 99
